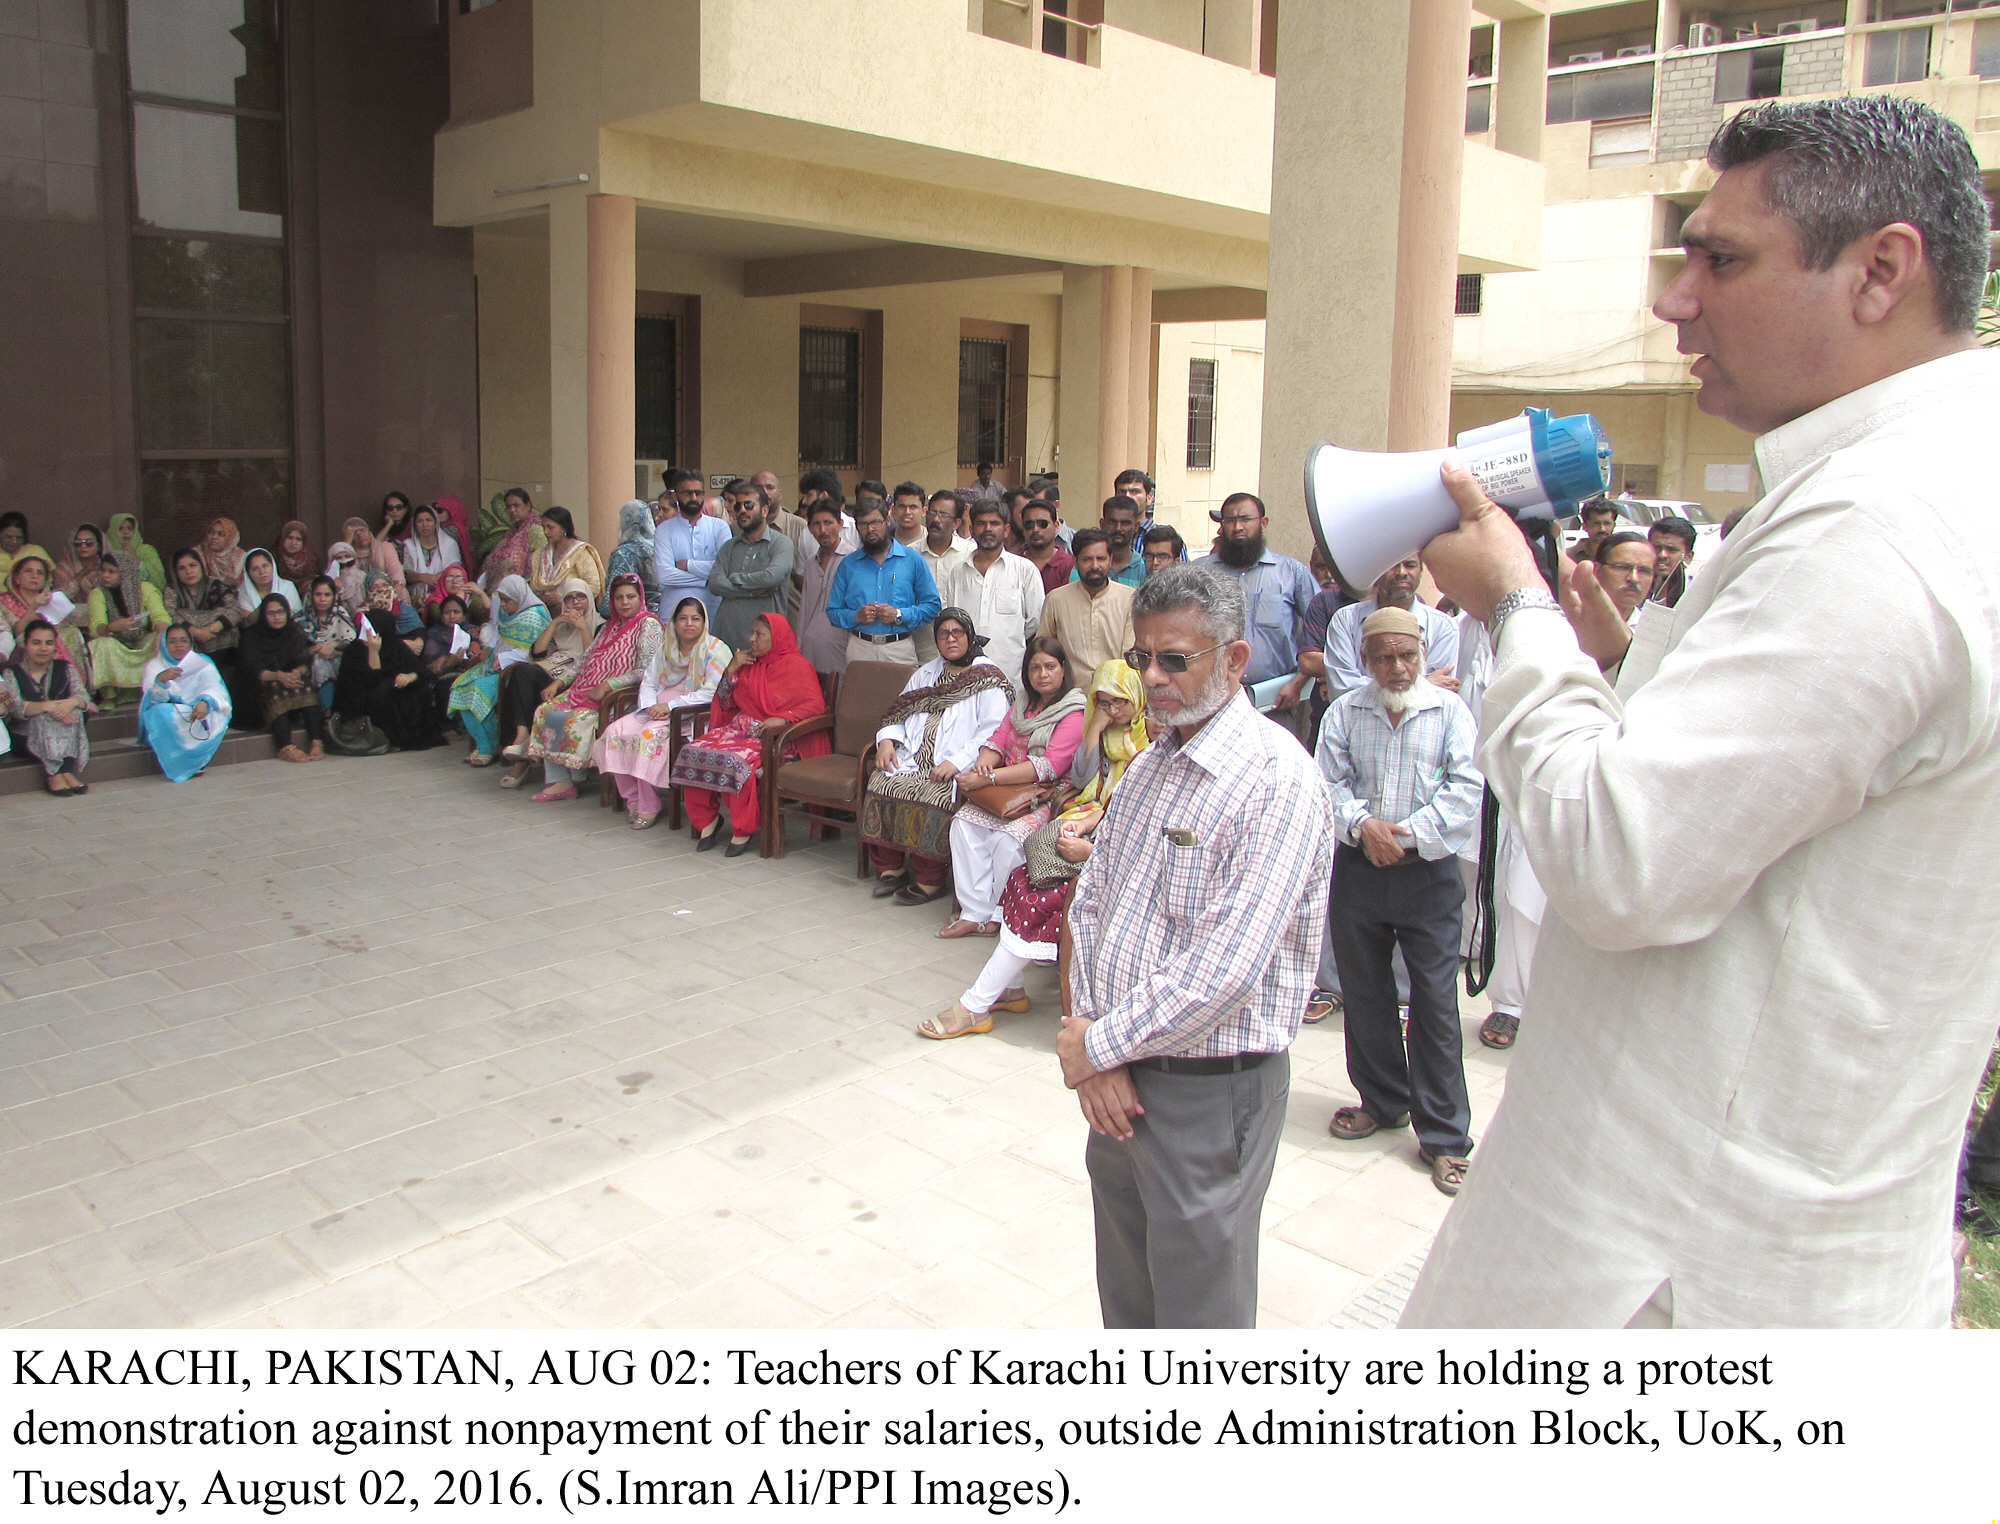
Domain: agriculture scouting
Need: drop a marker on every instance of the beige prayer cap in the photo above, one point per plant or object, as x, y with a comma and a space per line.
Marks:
1391, 622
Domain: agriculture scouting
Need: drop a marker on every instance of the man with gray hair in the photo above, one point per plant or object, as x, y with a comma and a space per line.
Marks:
1190, 946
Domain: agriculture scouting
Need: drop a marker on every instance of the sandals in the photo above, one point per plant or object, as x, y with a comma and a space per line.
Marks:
318, 753
641, 822
914, 893
514, 780
965, 1025
1499, 1029
1322, 1005
1353, 1123
959, 928
556, 795
293, 754
1447, 1170
887, 884
1013, 1000
479, 759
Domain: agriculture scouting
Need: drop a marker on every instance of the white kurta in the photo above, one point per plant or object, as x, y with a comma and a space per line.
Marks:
1768, 983
1005, 603
962, 729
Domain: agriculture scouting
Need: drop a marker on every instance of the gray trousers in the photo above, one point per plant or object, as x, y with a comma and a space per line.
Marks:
1178, 1206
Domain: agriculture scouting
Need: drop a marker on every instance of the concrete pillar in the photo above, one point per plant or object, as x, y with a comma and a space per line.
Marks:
1103, 423
1521, 94
569, 356
1364, 235
1668, 31
612, 399
1114, 386
1138, 379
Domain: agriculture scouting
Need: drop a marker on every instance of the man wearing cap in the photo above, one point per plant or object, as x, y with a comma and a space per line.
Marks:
1397, 755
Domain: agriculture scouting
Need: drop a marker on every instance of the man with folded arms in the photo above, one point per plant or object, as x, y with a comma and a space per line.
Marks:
1397, 755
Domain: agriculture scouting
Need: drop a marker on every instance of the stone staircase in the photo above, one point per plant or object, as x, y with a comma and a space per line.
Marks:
117, 752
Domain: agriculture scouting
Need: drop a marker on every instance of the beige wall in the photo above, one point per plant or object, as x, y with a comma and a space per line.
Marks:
1185, 497
512, 269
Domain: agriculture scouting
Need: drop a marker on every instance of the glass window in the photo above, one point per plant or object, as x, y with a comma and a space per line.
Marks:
829, 397
205, 172
654, 355
982, 401
1598, 93
1752, 74
1897, 58
1201, 415
180, 498
1986, 49
197, 275
1471, 296
212, 386
1478, 108
224, 51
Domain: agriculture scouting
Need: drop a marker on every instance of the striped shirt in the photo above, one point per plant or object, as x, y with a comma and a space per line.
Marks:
1195, 929
1417, 774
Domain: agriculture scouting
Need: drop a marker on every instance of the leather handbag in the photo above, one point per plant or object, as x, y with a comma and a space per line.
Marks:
1010, 801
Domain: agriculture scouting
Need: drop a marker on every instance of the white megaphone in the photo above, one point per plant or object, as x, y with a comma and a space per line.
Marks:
1370, 510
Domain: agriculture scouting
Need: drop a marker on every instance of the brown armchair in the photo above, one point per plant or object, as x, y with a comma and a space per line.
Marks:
836, 781
615, 706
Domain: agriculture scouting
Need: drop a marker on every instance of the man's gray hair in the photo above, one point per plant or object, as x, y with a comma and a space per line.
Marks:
1216, 594
1841, 169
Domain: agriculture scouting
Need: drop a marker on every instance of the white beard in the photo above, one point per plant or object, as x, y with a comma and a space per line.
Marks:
1216, 692
1397, 701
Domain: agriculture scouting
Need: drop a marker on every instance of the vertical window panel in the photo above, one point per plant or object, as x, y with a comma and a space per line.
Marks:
982, 401
655, 354
1201, 415
829, 397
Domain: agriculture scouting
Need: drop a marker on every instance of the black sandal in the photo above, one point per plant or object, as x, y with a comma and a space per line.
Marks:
914, 893
1499, 1029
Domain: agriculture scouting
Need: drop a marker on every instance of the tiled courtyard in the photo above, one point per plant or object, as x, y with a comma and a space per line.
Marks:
378, 1043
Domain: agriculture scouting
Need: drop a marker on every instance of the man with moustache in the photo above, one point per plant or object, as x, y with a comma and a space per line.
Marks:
786, 525
1002, 592
1276, 588
1120, 526
944, 550
1189, 948
823, 643
752, 574
685, 546
1331, 649
882, 593
1041, 547
1091, 616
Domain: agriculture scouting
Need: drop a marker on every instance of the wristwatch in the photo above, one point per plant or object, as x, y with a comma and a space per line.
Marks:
1537, 597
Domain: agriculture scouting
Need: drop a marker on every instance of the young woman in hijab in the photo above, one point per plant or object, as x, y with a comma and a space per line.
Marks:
450, 648
275, 655
511, 553
76, 573
44, 702
261, 580
121, 533
1033, 746
373, 554
395, 518
298, 563
329, 630
183, 706
948, 711
564, 730
633, 553
1038, 890
518, 619
220, 552
637, 749
13, 535
564, 557
455, 582
557, 654
126, 617
766, 685
431, 547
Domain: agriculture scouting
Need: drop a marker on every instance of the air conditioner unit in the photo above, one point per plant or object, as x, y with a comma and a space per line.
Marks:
1704, 34
1577, 58
1793, 28
1633, 52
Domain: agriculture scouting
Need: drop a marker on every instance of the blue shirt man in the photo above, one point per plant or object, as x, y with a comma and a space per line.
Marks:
1276, 589
887, 582
685, 545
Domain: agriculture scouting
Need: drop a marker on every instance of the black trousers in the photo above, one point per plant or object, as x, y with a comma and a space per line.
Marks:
1980, 1164
1372, 911
521, 688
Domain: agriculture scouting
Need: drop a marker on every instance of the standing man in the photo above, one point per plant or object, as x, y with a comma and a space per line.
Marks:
1339, 664
685, 546
906, 513
1091, 616
1161, 547
752, 573
1042, 549
1138, 486
1758, 1024
1190, 947
881, 594
824, 485
1599, 519
786, 526
823, 642
1672, 539
1014, 499
942, 548
1001, 591
984, 488
1276, 588
1397, 756
1120, 526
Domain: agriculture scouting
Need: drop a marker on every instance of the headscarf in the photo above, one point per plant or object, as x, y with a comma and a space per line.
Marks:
207, 596
263, 649
373, 583
225, 565
779, 685
519, 629
17, 601
382, 553
635, 522
248, 596
1120, 743
347, 573
674, 671
1036, 727
150, 567
442, 589
75, 578
452, 510
959, 680
129, 596
974, 641
200, 679
615, 652
301, 569
568, 645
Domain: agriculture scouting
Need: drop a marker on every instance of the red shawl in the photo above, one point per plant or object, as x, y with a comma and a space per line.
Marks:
452, 510
779, 685
615, 651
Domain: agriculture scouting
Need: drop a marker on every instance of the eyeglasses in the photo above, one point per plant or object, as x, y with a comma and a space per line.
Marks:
1636, 573
1170, 661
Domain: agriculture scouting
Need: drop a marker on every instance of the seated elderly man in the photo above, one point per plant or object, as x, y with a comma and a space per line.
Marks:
1397, 755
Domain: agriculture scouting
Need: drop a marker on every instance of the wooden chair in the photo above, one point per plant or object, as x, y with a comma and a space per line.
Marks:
688, 724
691, 722
837, 780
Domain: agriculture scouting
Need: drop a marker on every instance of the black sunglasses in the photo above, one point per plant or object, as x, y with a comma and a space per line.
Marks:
1170, 661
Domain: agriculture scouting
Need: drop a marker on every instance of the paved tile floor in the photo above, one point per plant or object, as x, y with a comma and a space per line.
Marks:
377, 1043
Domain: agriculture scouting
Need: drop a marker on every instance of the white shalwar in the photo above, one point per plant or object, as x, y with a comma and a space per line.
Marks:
1768, 987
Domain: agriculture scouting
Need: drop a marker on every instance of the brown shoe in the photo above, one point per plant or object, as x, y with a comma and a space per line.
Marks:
1353, 1123
1499, 1030
1447, 1170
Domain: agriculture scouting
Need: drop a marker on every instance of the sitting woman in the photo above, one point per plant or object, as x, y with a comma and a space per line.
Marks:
126, 617
207, 606
261, 580
348, 575
451, 647
948, 711
329, 630
518, 619
1030, 751
275, 655
633, 553
453, 582
554, 658
565, 729
44, 702
395, 525
430, 547
122, 534
509, 534
766, 685
637, 749
383, 672
31, 584
298, 564
564, 558
1037, 893
183, 706
77, 572
222, 553
13, 535
372, 554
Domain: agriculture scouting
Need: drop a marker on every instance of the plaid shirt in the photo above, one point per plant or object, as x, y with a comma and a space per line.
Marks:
1204, 947
1417, 774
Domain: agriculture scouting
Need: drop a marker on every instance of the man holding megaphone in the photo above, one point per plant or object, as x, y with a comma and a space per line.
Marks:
1773, 849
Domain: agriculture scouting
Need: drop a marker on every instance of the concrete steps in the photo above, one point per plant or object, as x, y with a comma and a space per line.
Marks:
117, 752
